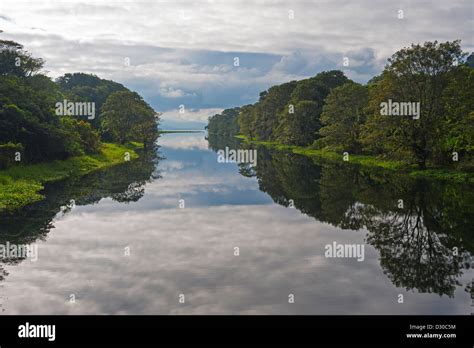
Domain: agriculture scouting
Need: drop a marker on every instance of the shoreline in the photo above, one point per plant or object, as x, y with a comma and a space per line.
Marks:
21, 185
369, 161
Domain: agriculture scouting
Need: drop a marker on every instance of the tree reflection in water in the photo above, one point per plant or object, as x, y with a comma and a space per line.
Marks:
123, 183
421, 228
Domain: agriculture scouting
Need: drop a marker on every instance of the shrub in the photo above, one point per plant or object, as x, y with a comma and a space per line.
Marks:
8, 153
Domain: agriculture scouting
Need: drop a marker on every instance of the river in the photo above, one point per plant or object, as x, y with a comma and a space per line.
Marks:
185, 234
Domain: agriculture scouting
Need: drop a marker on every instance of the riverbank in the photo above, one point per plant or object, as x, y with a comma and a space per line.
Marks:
21, 185
369, 161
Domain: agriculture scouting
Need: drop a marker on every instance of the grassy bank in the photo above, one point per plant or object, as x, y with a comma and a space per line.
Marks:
370, 161
21, 185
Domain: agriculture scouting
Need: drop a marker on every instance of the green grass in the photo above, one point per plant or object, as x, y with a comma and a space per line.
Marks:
369, 161
21, 185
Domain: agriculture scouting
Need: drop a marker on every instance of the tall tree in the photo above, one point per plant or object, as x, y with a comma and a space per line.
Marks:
268, 107
458, 125
416, 74
245, 120
225, 123
301, 126
342, 118
80, 87
127, 117
14, 60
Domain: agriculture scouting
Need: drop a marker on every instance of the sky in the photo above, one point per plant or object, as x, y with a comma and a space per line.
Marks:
185, 53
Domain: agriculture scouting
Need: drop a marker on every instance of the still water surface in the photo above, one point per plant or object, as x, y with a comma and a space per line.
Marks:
117, 241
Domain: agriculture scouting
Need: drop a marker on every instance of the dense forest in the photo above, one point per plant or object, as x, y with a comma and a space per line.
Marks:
32, 130
330, 112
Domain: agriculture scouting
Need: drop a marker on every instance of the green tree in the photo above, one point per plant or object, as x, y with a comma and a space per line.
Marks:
299, 121
80, 87
14, 60
145, 129
300, 127
27, 109
343, 116
127, 117
269, 105
245, 120
318, 87
415, 74
458, 126
224, 124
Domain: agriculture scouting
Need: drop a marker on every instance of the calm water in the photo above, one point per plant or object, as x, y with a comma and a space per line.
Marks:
117, 242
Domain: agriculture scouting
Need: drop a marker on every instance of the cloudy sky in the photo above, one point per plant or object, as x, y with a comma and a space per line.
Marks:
184, 52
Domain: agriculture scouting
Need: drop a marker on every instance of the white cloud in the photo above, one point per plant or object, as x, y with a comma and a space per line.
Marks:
170, 92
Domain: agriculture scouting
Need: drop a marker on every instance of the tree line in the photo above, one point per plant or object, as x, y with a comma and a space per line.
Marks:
331, 112
29, 122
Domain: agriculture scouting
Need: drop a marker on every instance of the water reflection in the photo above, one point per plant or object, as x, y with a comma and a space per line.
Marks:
422, 229
190, 251
123, 183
